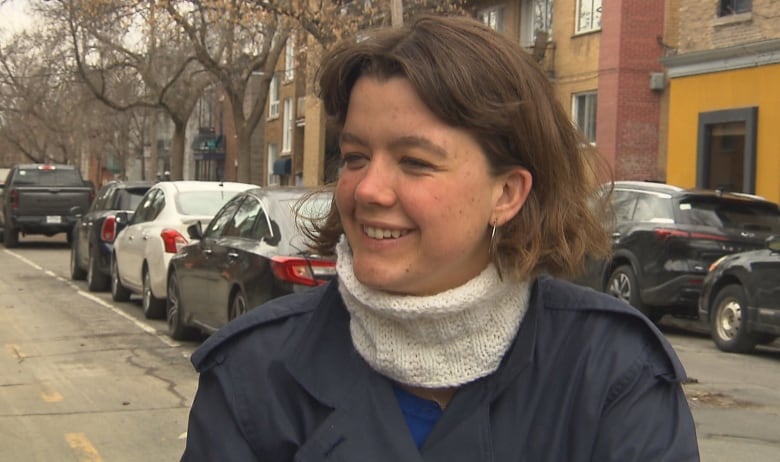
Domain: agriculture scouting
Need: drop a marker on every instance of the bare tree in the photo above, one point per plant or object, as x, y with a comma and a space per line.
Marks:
131, 56
42, 103
239, 43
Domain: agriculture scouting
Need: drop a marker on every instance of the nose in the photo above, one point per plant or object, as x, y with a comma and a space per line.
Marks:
377, 185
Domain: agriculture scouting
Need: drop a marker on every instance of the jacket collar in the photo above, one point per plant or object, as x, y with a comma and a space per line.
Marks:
327, 365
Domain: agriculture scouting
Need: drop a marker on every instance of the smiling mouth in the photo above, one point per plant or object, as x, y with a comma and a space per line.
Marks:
380, 233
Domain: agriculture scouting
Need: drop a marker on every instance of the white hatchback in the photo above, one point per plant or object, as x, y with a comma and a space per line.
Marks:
156, 231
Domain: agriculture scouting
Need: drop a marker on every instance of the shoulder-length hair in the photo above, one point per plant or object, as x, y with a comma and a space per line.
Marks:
474, 78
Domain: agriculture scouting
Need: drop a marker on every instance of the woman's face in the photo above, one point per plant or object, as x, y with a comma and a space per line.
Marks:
415, 195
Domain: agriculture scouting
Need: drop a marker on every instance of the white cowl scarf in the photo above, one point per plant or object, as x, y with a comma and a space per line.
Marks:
436, 341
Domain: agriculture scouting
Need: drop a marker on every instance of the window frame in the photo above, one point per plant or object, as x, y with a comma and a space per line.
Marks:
529, 11
288, 125
594, 16
273, 98
493, 17
289, 59
588, 131
272, 157
732, 7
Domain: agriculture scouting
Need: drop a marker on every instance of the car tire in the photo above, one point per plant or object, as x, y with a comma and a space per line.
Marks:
10, 236
727, 321
237, 305
622, 284
154, 308
76, 273
119, 293
174, 313
96, 280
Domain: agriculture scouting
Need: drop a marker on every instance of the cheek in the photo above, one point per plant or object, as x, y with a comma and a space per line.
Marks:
344, 195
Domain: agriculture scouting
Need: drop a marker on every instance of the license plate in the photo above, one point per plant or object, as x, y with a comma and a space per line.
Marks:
53, 219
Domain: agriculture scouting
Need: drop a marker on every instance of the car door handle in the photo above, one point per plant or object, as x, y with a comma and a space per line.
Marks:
207, 252
615, 235
232, 254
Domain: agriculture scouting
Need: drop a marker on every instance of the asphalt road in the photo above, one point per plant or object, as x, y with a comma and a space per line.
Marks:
86, 379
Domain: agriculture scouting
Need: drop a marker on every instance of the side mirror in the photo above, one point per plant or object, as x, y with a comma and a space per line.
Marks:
195, 231
773, 243
122, 218
76, 210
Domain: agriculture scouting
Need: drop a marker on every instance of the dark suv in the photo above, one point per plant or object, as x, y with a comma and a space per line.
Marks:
96, 228
666, 237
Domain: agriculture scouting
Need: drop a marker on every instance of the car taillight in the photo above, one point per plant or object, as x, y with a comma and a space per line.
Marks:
302, 271
13, 198
666, 233
172, 240
108, 230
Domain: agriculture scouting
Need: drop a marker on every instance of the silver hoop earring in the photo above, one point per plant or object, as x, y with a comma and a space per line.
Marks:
492, 239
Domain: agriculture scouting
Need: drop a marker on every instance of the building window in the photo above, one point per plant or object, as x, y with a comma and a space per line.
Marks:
289, 59
584, 112
273, 98
588, 15
273, 156
287, 129
726, 150
730, 7
493, 17
537, 16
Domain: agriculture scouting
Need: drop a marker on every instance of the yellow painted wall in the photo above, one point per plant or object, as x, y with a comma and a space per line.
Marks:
689, 96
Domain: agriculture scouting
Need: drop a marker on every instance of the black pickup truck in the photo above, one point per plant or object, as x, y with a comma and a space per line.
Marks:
38, 198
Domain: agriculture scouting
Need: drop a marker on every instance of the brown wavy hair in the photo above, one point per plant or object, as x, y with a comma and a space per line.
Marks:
474, 78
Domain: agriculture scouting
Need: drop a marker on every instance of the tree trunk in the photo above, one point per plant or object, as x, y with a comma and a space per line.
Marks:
178, 146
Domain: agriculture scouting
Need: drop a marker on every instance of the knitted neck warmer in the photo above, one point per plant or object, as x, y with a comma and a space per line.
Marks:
436, 341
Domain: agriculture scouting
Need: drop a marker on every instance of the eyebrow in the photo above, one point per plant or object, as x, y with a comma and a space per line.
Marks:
400, 142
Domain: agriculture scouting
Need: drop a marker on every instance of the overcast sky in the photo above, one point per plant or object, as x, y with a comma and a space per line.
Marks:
12, 16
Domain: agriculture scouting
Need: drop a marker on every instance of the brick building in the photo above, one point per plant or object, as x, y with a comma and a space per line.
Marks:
723, 113
602, 55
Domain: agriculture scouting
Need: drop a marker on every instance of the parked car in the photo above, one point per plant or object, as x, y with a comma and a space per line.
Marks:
740, 298
96, 229
251, 252
38, 198
156, 231
665, 238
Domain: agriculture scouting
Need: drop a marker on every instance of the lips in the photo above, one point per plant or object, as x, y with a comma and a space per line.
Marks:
383, 233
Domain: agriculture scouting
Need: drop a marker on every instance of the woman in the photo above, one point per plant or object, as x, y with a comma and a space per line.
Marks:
463, 193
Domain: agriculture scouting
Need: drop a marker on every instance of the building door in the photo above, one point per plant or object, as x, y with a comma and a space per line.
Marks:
726, 151
726, 156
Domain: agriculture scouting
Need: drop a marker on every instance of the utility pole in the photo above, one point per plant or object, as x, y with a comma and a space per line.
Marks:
397, 13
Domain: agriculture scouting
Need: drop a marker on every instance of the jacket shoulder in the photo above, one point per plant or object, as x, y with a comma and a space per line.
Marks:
274, 313
603, 316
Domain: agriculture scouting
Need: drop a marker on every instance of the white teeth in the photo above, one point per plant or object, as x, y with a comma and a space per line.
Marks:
379, 233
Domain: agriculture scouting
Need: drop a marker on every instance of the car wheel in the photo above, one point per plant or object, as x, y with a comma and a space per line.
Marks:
76, 273
119, 293
10, 236
154, 308
622, 284
728, 321
96, 280
237, 305
174, 313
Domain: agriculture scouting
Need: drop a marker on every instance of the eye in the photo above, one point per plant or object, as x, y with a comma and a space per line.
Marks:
416, 163
353, 160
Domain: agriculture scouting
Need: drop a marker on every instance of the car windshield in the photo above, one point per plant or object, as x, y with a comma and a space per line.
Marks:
206, 203
720, 213
133, 198
53, 177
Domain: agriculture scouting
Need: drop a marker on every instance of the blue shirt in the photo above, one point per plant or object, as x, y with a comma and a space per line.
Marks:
420, 414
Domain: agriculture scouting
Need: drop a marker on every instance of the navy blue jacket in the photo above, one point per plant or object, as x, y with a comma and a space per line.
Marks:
586, 379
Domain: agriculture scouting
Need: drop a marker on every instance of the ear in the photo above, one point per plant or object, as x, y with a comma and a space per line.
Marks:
512, 192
